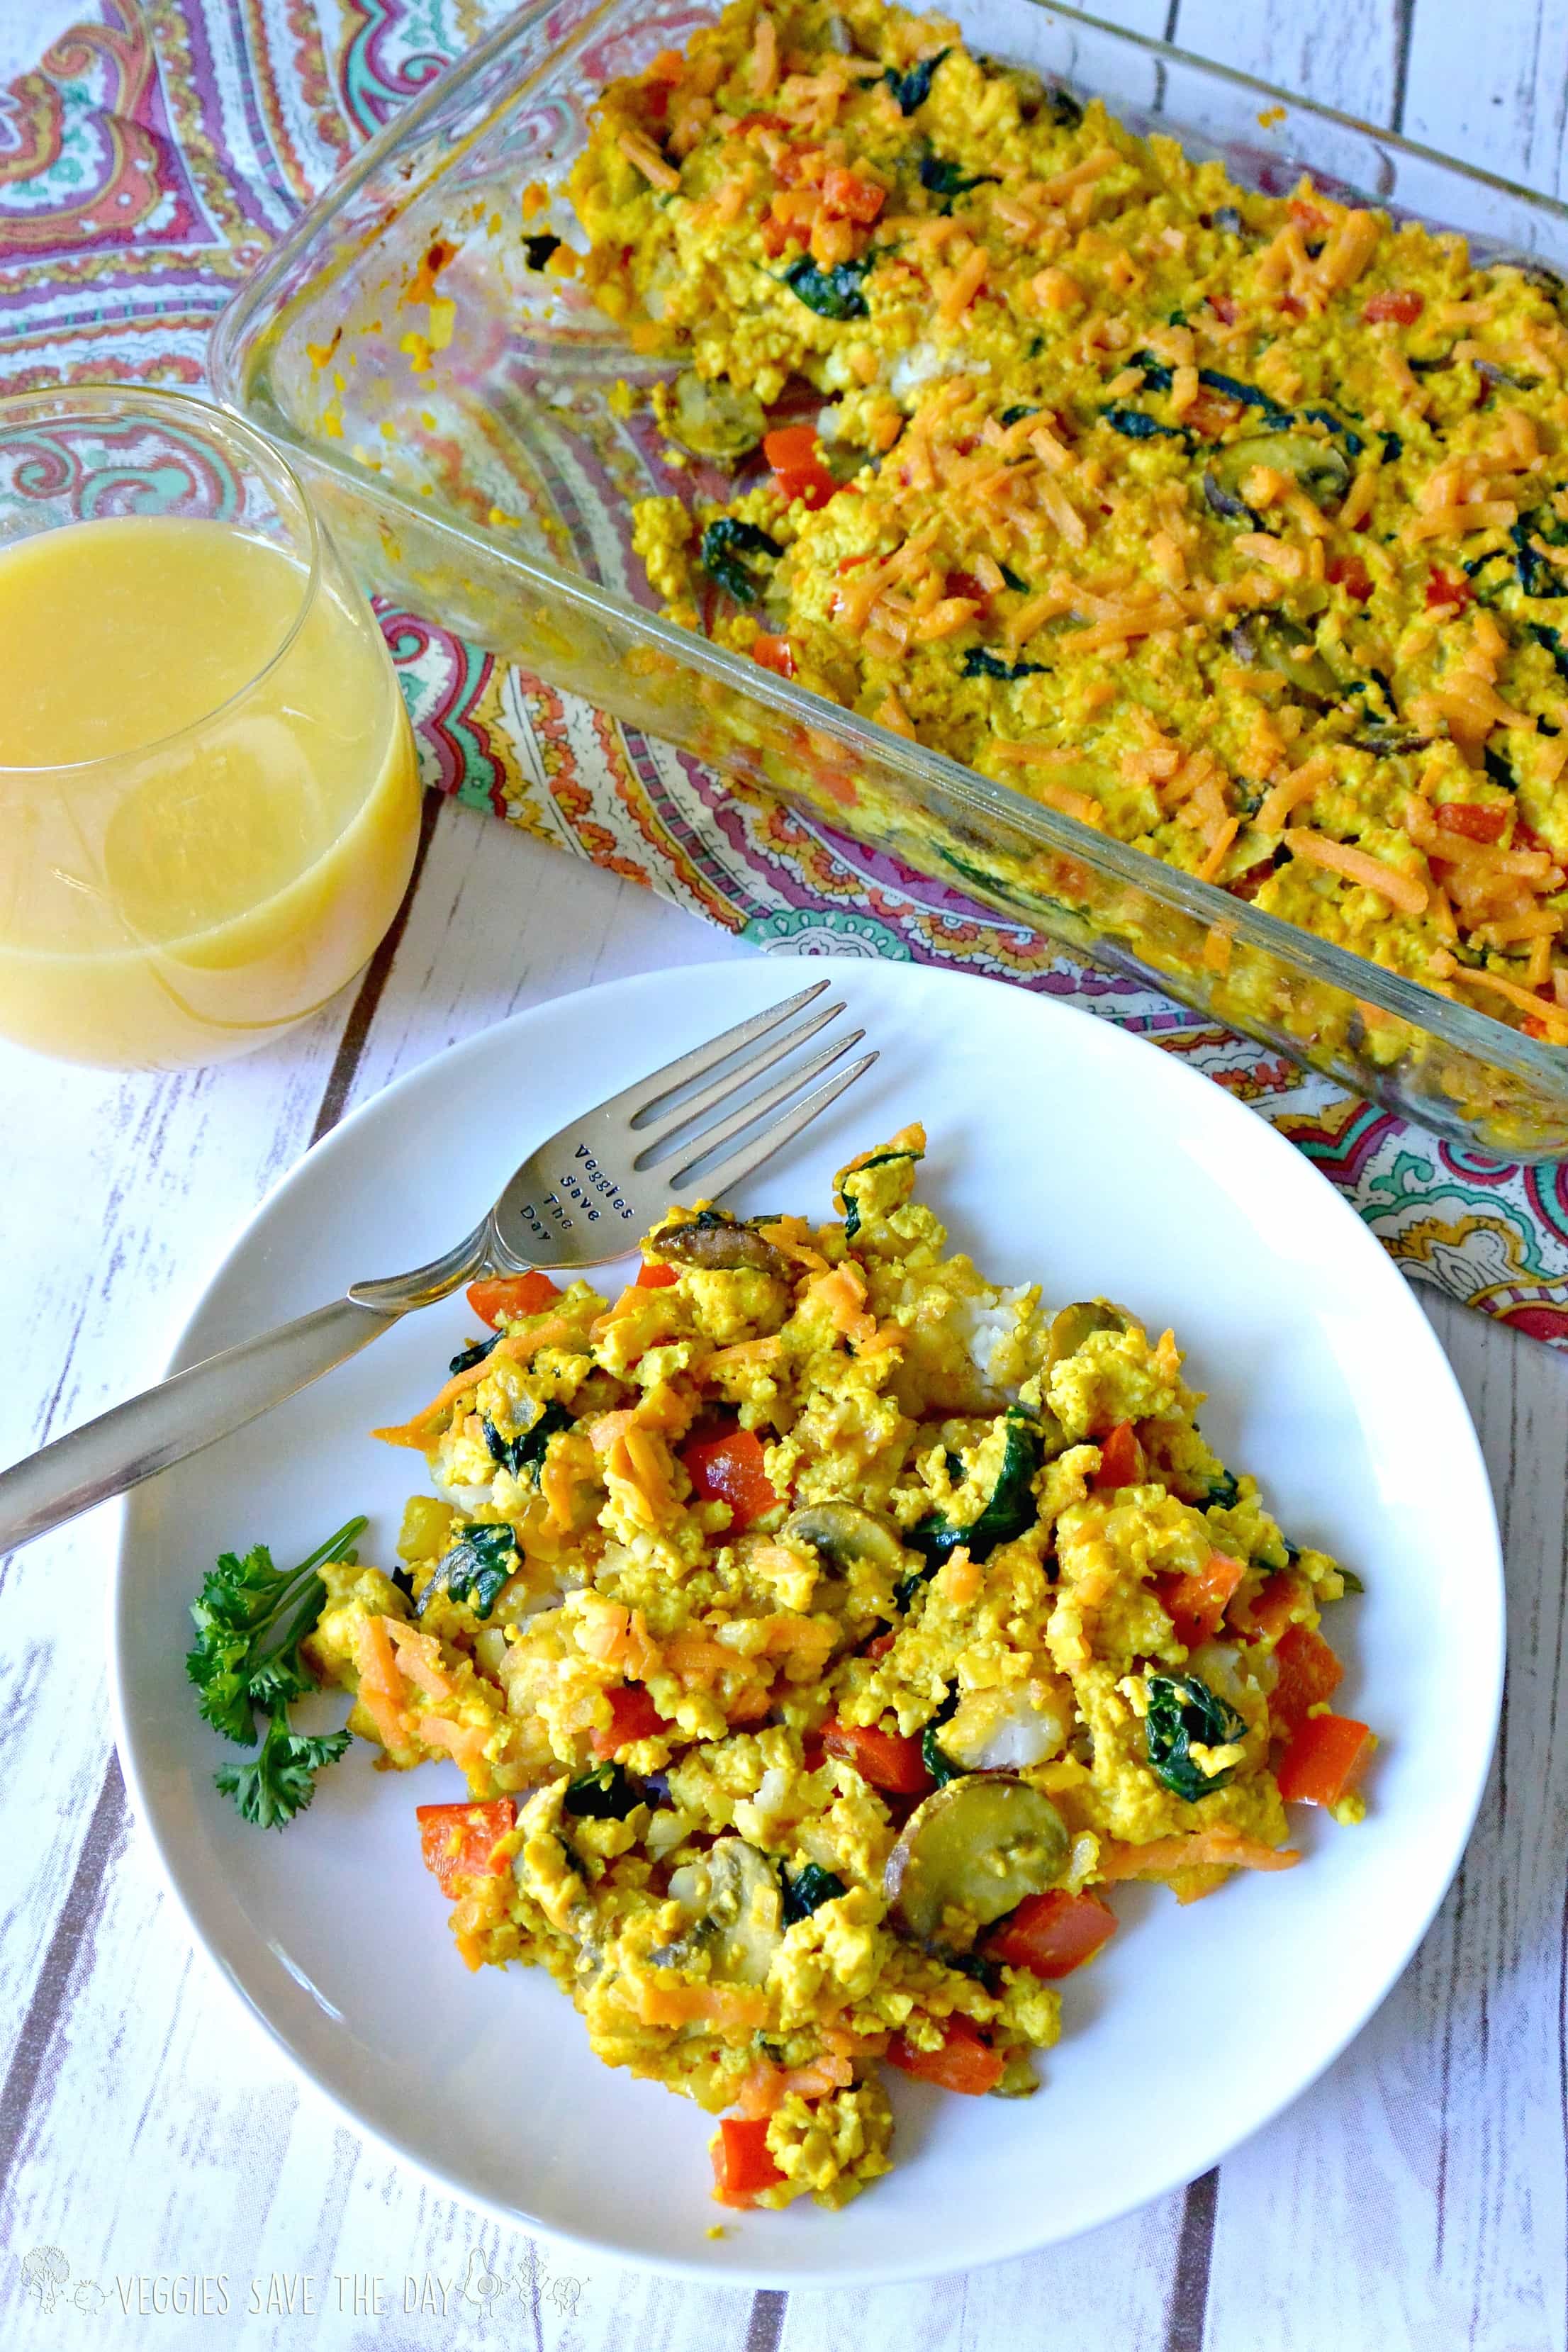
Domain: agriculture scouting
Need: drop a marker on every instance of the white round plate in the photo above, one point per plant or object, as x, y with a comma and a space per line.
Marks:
1063, 1150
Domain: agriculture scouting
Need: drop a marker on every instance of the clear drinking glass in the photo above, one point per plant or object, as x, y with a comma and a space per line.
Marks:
208, 786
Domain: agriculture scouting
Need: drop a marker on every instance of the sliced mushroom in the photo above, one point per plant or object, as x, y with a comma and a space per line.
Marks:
1225, 503
1535, 273
846, 1537
1073, 1325
1285, 645
714, 420
720, 1244
1390, 742
1315, 467
733, 1895
969, 1854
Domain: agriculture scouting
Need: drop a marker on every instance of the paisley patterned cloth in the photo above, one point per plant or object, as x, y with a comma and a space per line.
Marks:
149, 160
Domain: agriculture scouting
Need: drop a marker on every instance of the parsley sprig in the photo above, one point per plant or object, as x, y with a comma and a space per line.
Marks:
250, 1620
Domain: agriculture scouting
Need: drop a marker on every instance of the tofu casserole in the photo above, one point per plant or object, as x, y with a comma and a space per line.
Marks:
822, 1631
1232, 525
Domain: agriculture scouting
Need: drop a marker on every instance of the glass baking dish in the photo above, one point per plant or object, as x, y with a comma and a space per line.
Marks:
453, 411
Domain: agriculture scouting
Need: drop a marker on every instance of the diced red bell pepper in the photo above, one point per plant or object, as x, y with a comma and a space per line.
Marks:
1270, 1613
1210, 413
792, 452
1308, 1674
1441, 591
848, 197
1052, 1934
777, 234
774, 653
1349, 573
729, 1469
633, 1716
885, 1759
965, 2063
511, 1294
882, 1646
743, 2167
656, 1277
964, 583
1121, 1459
1403, 304
1197, 1601
1474, 822
1324, 1760
1224, 310
456, 1841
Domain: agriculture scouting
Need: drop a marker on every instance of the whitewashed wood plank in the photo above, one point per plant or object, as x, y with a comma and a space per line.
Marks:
1111, 2288
1343, 57
1491, 86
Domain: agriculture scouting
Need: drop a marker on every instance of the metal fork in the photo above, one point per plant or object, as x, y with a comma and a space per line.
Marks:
580, 1200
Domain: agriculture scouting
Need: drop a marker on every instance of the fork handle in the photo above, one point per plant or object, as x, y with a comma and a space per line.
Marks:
178, 1417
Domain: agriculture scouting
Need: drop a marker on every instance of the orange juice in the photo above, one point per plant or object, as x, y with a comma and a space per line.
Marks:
208, 789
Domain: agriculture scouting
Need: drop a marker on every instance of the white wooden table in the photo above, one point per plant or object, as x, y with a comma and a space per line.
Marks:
151, 2144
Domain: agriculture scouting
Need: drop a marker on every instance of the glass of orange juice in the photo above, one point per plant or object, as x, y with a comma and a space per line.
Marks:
208, 789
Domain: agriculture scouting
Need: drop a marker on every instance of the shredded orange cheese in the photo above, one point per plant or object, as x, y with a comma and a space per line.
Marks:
1405, 891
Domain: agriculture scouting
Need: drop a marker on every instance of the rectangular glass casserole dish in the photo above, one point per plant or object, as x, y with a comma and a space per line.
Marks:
454, 411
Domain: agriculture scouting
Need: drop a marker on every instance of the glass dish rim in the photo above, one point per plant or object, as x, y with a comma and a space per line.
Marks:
1447, 1020
90, 397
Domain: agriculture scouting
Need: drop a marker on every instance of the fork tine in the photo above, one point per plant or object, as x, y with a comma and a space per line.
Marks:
694, 1147
751, 1155
645, 1094
727, 1087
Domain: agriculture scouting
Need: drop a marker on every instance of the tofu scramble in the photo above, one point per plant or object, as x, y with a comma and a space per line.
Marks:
1233, 525
822, 1630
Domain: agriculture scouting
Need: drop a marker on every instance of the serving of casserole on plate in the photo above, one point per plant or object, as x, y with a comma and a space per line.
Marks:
1068, 493
819, 1628
890, 1574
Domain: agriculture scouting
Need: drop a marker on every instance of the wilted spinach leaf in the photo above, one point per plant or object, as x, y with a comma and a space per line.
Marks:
832, 293
476, 1567
527, 1451
1184, 1712
945, 179
1133, 426
807, 1891
978, 663
912, 89
605, 1794
468, 1357
724, 544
